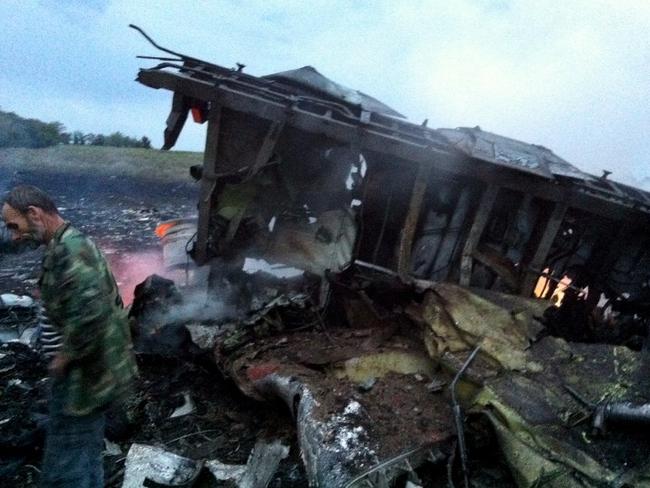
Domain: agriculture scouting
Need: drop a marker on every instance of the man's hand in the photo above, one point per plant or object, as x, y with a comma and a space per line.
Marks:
58, 366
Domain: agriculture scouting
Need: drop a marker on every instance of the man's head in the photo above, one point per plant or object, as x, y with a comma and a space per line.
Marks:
30, 214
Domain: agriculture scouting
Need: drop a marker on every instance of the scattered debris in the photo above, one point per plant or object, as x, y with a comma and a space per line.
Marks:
262, 464
354, 265
204, 336
111, 448
226, 472
185, 409
23, 408
9, 300
18, 318
149, 463
367, 384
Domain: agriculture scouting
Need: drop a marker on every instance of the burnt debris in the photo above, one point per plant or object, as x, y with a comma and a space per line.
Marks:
407, 248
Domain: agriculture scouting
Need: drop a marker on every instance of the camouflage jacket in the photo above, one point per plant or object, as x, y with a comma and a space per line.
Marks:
82, 301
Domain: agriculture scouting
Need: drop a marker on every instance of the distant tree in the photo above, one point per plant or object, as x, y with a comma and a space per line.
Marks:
117, 139
98, 140
16, 131
145, 142
78, 138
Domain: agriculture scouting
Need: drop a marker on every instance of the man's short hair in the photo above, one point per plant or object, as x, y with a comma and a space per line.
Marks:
24, 196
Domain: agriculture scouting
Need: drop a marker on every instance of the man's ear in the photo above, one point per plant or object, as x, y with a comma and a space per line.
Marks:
34, 213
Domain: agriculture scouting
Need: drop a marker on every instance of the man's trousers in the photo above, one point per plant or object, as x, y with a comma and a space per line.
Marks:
73, 447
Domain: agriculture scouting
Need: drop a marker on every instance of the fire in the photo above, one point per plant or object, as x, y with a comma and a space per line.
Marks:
560, 290
542, 287
542, 284
163, 228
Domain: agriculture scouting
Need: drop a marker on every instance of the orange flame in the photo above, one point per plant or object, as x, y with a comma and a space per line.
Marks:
543, 285
162, 229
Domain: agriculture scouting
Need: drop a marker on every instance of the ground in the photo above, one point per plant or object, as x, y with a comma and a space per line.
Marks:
117, 197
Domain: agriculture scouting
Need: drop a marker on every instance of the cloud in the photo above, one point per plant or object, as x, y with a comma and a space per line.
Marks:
570, 76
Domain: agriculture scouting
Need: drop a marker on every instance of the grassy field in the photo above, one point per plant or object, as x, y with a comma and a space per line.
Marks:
141, 163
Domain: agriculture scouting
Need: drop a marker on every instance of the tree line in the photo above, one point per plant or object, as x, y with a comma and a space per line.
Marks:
16, 131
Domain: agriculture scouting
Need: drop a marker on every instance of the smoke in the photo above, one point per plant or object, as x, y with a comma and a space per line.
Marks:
130, 269
197, 306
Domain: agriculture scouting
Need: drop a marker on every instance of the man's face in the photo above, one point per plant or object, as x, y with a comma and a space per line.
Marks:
24, 227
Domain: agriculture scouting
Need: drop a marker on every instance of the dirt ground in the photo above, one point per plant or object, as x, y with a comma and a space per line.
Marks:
120, 214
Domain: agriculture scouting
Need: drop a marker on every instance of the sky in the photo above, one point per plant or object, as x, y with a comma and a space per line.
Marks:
571, 75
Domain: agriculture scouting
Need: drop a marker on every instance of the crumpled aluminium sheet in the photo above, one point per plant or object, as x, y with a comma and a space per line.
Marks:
149, 462
152, 463
519, 383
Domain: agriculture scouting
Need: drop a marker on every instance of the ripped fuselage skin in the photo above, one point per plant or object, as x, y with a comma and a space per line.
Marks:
366, 256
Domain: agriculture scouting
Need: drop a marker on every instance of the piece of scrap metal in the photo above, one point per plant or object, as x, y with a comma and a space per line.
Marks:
155, 464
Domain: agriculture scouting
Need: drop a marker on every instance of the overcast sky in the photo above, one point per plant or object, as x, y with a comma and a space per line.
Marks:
571, 75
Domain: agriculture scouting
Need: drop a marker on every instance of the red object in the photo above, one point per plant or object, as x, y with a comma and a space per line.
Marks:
198, 114
255, 373
162, 229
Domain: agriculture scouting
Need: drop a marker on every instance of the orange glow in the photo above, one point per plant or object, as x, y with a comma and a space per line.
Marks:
542, 288
130, 269
542, 284
560, 290
162, 229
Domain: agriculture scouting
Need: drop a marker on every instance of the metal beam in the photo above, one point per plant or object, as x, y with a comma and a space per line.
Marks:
208, 184
411, 221
480, 220
268, 145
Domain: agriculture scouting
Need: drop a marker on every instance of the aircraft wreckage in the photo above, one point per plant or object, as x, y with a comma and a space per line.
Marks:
401, 287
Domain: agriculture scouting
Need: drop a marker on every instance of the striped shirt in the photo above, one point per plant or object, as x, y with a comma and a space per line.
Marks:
50, 339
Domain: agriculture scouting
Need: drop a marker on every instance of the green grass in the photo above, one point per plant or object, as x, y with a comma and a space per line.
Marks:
118, 161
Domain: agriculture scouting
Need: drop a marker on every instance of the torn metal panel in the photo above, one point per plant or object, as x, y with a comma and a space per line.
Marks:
20, 318
187, 408
519, 383
157, 465
294, 128
262, 464
225, 472
314, 105
543, 430
284, 185
176, 120
298, 213
309, 77
501, 150
147, 465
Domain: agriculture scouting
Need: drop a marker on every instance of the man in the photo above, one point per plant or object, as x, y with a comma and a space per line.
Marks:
91, 358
